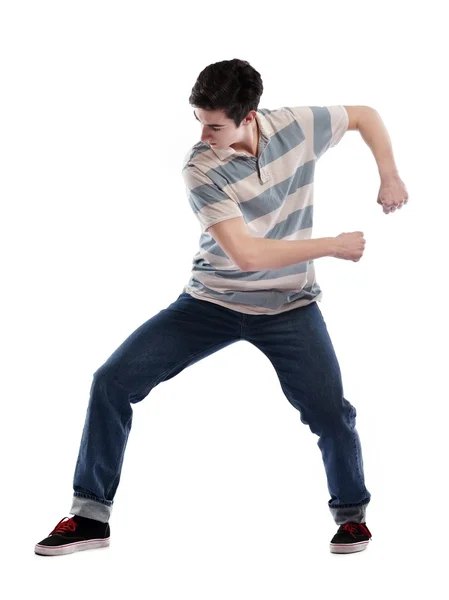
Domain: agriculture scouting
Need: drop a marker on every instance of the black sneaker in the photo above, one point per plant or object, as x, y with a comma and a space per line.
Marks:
351, 537
78, 533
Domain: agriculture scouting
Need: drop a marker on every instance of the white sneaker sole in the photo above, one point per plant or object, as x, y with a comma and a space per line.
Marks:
348, 548
69, 548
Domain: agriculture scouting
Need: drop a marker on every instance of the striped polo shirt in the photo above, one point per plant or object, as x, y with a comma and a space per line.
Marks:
273, 192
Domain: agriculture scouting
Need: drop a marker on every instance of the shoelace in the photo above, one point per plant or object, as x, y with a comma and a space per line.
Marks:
62, 527
353, 528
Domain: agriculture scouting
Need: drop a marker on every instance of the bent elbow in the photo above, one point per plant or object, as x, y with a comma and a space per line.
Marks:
244, 266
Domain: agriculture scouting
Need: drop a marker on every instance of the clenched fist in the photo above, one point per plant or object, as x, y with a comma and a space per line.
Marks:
349, 246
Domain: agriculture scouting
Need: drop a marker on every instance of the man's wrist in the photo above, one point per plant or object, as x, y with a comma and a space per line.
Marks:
387, 176
331, 246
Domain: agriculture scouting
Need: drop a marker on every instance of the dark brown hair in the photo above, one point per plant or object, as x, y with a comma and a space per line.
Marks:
233, 86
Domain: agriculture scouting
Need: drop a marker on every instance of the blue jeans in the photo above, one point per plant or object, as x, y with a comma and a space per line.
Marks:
298, 346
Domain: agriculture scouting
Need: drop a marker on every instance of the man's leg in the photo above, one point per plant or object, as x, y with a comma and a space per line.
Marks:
298, 345
175, 338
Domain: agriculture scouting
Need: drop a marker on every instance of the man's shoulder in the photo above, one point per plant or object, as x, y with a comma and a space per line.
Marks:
193, 157
276, 119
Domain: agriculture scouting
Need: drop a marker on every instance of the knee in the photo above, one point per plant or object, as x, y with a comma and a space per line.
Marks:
341, 412
108, 381
104, 374
330, 417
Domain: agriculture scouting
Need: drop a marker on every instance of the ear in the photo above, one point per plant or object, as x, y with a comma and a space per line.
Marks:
249, 117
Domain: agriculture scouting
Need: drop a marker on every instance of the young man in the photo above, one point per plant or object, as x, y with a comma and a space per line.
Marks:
250, 184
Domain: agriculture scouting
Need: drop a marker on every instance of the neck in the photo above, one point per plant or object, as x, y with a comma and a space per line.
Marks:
252, 145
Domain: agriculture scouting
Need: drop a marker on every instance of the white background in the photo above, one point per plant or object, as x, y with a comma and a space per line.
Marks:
223, 491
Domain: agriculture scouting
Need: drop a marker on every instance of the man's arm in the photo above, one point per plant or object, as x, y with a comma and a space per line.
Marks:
258, 254
392, 193
372, 129
275, 254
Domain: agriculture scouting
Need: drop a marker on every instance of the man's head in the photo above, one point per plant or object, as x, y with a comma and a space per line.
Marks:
225, 98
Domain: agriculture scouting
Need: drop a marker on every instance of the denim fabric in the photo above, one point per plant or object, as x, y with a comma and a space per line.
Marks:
298, 346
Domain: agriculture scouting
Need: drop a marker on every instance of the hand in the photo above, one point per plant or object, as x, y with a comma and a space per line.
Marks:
392, 194
349, 246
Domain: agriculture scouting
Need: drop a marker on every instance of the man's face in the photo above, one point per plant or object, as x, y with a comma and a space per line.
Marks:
216, 129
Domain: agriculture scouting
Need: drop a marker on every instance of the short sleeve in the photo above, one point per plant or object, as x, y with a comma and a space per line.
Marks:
209, 203
323, 126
